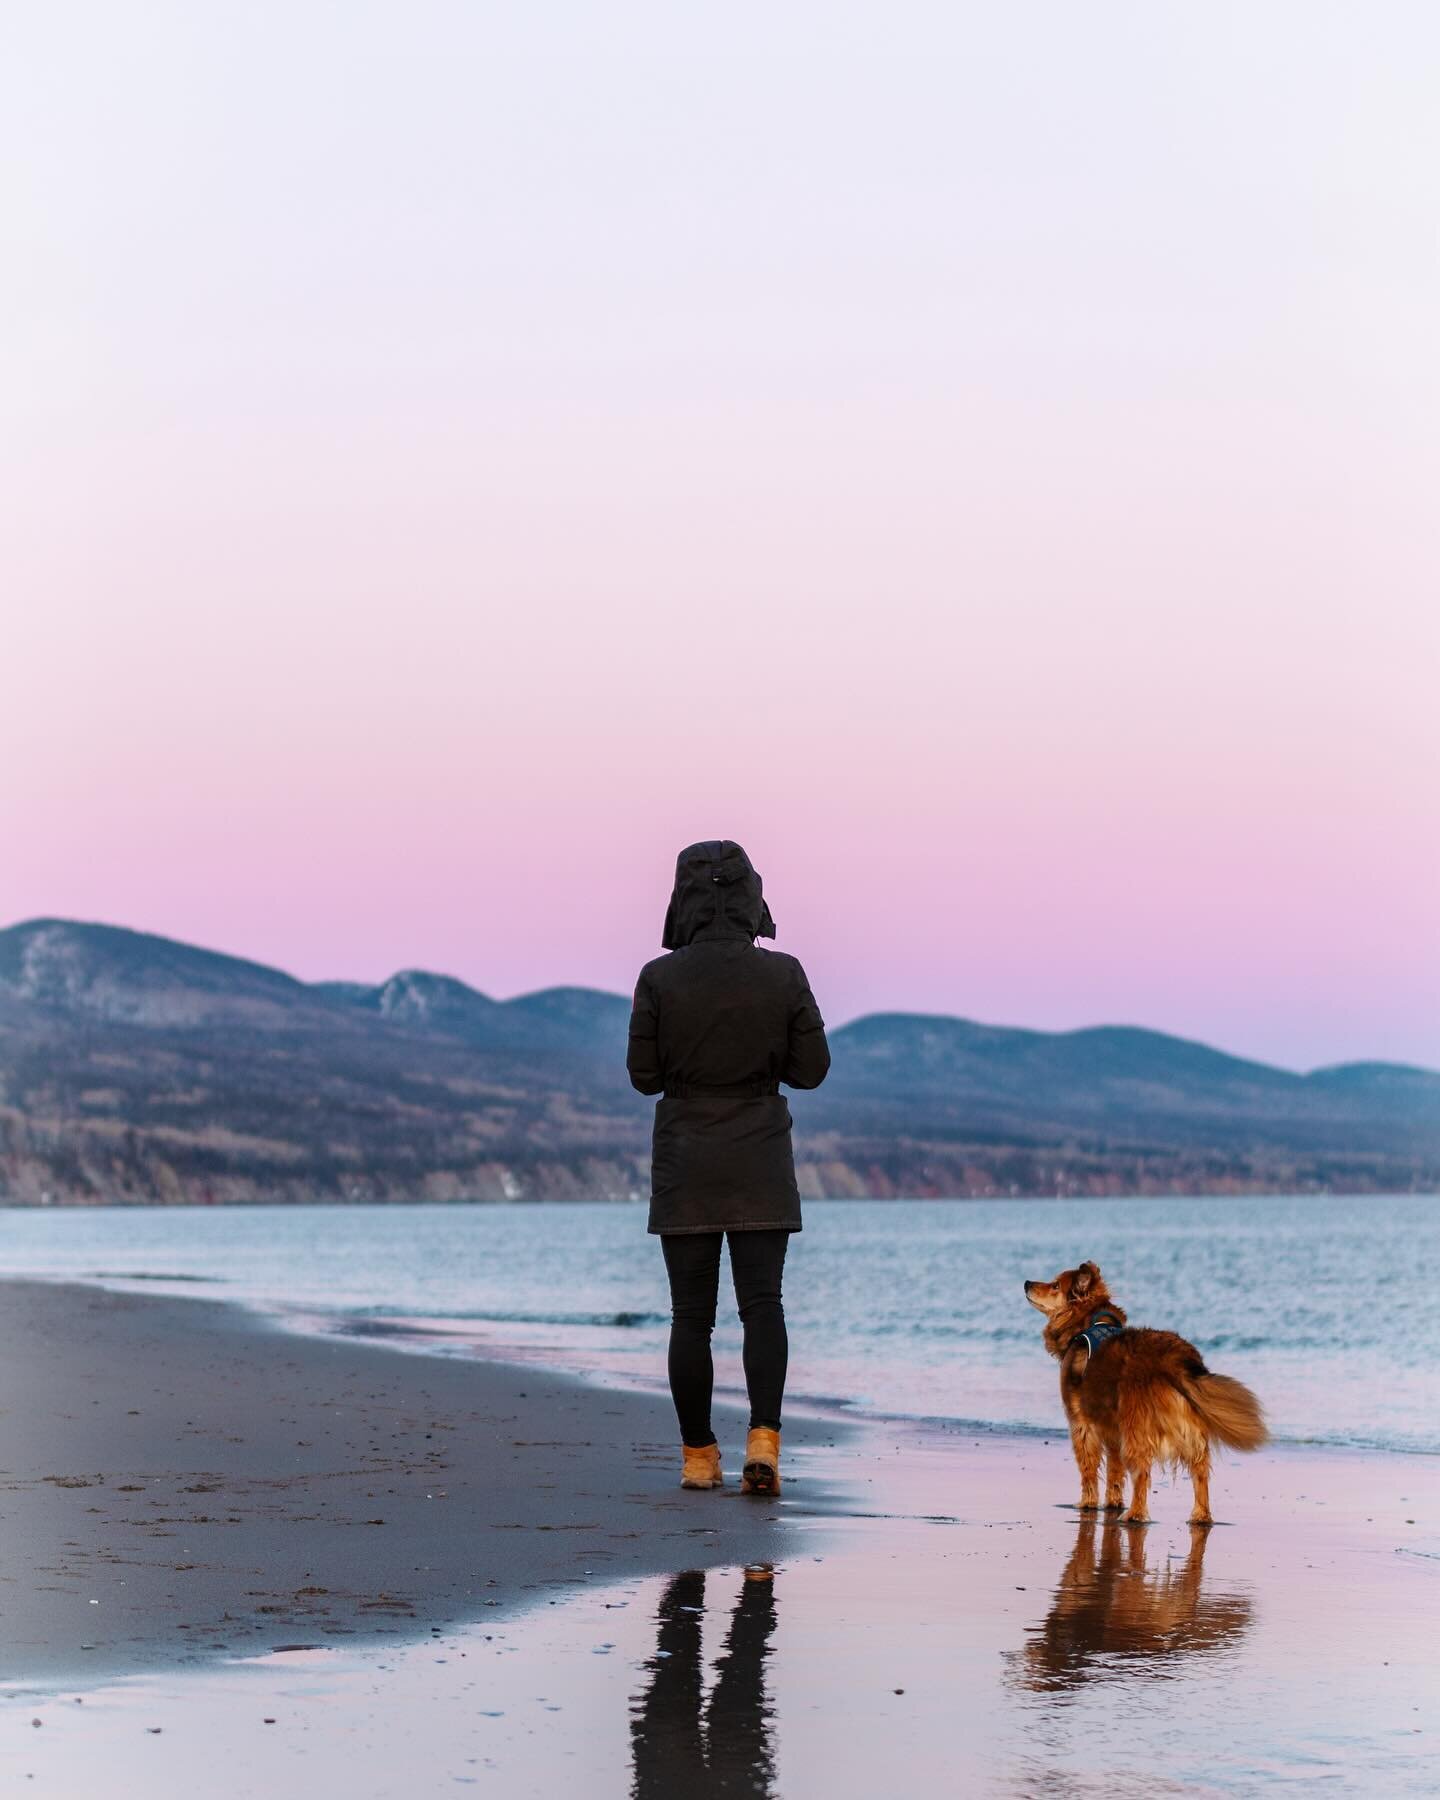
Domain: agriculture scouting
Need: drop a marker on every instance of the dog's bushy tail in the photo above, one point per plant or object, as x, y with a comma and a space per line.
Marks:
1229, 1411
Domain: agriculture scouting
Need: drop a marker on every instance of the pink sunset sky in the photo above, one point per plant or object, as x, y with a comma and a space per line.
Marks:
985, 459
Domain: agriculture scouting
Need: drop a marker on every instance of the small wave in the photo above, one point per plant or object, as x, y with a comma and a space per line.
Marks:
151, 1275
386, 1328
1025, 1428
958, 1426
1396, 1442
948, 1330
1218, 1343
955, 1331
625, 1321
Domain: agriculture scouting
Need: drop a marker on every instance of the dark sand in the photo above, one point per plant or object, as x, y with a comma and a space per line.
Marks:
179, 1479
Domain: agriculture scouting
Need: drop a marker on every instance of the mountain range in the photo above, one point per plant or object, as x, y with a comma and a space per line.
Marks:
136, 1069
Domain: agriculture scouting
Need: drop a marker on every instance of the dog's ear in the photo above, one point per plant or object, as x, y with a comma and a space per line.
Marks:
1085, 1278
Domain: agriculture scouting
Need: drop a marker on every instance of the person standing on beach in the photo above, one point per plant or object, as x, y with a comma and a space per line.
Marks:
716, 1027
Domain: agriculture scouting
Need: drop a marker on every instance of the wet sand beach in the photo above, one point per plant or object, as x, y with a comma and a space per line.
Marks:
180, 1479
542, 1611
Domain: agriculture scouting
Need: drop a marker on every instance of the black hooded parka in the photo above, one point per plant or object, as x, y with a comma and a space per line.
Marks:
716, 1026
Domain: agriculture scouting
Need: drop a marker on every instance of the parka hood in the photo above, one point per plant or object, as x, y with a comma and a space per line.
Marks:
717, 894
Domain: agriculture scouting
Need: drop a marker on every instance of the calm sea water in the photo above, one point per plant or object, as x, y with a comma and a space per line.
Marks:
908, 1307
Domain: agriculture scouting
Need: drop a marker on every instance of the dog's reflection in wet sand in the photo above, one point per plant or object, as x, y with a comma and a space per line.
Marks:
1113, 1613
683, 1745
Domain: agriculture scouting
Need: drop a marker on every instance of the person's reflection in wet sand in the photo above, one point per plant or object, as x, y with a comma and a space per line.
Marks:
683, 1747
1115, 1616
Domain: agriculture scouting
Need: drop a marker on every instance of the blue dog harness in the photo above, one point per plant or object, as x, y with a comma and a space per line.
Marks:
1102, 1327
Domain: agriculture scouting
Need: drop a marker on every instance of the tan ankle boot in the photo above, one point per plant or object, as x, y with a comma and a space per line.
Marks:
701, 1468
761, 1474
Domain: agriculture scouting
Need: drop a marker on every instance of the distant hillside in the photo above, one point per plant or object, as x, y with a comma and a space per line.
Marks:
134, 1068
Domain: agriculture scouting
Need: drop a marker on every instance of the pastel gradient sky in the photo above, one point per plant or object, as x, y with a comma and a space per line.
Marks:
984, 458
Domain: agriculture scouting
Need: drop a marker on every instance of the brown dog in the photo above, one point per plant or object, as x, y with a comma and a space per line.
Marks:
1137, 1396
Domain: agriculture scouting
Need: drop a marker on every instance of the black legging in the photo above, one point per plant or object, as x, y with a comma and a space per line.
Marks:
757, 1261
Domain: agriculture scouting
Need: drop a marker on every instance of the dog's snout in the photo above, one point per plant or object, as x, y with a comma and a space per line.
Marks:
1028, 1286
